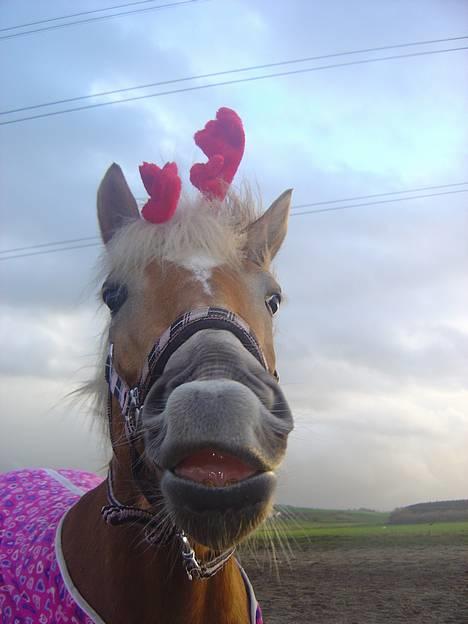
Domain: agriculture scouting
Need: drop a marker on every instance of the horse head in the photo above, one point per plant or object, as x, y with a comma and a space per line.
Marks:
195, 293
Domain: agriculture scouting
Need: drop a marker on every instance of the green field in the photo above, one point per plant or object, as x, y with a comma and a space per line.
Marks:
344, 527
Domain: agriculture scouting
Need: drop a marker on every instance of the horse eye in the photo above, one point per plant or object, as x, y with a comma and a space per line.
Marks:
273, 303
114, 296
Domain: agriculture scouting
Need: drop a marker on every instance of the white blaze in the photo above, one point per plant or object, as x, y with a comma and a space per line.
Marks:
202, 267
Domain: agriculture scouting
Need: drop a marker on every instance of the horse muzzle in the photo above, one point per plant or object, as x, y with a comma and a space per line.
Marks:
218, 435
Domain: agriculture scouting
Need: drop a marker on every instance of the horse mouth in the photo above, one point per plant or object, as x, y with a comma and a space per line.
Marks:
214, 469
218, 498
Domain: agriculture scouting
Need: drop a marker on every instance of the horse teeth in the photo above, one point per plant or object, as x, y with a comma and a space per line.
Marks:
209, 483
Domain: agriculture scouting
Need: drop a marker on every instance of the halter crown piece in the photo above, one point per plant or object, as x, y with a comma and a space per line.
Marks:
222, 140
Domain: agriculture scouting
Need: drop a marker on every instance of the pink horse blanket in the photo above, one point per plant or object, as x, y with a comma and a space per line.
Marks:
35, 587
32, 587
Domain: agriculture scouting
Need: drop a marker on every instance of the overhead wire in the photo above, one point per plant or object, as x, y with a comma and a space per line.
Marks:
374, 203
232, 71
100, 17
70, 15
68, 247
418, 189
48, 251
231, 82
293, 209
39, 245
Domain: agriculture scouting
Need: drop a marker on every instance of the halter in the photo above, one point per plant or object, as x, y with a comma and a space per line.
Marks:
131, 401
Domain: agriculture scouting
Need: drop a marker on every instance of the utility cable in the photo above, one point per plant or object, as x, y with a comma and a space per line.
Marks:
374, 203
231, 82
100, 17
298, 214
293, 208
48, 251
38, 246
388, 193
230, 71
70, 15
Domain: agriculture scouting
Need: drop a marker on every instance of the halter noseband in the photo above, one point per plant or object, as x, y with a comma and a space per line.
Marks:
131, 401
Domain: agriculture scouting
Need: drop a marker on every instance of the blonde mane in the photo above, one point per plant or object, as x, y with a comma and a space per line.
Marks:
199, 227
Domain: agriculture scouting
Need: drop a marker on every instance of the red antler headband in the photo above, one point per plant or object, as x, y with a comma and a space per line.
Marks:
163, 186
222, 140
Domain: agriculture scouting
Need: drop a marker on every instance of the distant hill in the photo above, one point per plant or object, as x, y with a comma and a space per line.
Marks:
438, 511
330, 516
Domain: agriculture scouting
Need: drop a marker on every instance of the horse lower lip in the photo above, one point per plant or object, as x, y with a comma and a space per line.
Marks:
193, 497
218, 517
213, 469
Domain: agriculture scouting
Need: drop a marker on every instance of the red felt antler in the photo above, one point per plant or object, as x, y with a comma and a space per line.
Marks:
222, 141
163, 186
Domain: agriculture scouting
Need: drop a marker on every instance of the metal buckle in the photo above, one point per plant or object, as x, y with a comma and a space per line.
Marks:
191, 565
198, 570
133, 411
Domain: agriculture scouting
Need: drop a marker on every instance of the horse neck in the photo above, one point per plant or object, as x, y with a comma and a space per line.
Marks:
126, 580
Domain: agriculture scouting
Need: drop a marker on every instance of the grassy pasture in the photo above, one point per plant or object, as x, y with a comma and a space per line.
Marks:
341, 528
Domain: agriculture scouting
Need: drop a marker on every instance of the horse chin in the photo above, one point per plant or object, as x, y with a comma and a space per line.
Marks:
218, 517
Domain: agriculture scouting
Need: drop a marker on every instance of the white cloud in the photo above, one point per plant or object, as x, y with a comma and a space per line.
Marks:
42, 427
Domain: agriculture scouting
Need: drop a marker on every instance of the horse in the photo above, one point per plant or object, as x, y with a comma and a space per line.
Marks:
196, 417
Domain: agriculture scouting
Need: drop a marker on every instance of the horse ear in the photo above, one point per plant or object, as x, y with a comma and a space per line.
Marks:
116, 205
266, 235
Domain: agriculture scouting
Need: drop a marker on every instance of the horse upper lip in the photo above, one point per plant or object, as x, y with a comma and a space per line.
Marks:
247, 456
214, 469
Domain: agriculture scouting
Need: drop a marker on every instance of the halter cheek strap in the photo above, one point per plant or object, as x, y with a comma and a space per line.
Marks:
131, 401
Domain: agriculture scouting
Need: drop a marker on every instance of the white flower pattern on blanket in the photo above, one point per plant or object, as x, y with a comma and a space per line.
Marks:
32, 590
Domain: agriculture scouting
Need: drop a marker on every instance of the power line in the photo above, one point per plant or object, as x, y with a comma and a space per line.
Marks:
232, 71
293, 208
359, 197
100, 17
48, 251
62, 242
375, 203
298, 214
231, 82
54, 19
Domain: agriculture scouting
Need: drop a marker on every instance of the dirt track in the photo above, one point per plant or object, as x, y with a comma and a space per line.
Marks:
370, 584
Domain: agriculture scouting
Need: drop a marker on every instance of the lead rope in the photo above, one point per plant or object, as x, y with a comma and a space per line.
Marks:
115, 513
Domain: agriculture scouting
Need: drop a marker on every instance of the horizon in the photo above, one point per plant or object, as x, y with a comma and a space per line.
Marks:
372, 510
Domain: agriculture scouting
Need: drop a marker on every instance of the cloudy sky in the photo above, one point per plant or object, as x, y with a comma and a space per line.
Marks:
373, 340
